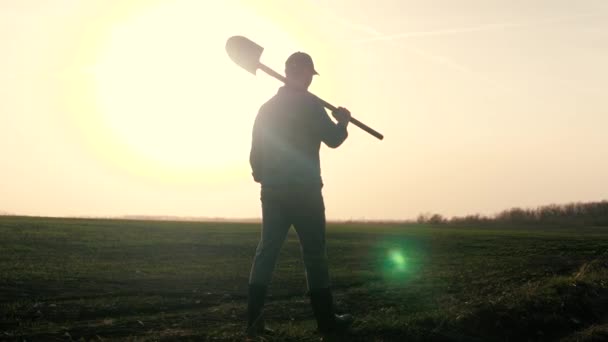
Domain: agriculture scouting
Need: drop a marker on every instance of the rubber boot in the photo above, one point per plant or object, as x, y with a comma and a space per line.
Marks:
255, 308
322, 304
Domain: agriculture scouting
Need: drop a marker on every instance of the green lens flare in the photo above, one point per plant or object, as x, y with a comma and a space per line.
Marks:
397, 260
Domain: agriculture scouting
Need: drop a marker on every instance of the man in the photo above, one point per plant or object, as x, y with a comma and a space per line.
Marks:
287, 136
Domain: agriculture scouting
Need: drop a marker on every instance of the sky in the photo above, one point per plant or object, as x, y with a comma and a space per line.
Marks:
115, 107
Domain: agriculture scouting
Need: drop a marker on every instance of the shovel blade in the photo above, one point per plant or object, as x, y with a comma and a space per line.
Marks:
244, 52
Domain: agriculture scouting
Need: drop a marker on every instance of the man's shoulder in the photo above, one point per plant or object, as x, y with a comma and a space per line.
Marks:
288, 100
271, 103
275, 103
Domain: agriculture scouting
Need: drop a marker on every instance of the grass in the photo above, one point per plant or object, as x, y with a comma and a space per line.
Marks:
80, 279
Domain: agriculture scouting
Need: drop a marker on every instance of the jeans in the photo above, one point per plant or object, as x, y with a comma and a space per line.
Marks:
303, 208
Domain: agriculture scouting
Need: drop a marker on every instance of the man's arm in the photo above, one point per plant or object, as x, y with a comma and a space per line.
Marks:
332, 134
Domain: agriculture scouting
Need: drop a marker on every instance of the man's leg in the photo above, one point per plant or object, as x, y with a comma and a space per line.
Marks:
309, 222
275, 225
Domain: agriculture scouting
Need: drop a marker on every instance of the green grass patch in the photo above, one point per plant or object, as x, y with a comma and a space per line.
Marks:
144, 280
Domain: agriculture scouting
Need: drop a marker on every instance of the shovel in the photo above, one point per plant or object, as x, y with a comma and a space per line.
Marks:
247, 55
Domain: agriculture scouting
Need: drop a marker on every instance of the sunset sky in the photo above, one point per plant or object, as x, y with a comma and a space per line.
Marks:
115, 107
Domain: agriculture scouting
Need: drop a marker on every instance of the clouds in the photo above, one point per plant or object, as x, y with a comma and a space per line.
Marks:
472, 29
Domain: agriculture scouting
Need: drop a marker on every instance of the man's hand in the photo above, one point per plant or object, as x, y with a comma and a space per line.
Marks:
342, 115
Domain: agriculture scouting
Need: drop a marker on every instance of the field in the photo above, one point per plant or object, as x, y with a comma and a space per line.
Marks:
103, 280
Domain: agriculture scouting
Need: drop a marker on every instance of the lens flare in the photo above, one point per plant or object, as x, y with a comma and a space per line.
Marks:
400, 259
397, 261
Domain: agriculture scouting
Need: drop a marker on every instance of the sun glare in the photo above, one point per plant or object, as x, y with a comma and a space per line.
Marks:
167, 95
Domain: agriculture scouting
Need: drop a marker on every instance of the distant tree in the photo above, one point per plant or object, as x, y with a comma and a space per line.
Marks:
436, 219
422, 218
469, 219
431, 218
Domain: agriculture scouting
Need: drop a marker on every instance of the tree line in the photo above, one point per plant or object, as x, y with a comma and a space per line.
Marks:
571, 214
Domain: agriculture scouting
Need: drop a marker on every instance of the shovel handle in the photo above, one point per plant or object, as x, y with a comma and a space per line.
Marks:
325, 103
353, 120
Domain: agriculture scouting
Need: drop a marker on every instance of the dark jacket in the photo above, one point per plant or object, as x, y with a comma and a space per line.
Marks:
287, 136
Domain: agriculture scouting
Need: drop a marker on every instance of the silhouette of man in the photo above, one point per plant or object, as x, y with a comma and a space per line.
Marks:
287, 136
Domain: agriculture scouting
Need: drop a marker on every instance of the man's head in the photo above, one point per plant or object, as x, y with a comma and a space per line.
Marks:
299, 70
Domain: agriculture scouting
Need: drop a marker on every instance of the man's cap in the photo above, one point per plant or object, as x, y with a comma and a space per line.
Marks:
300, 61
